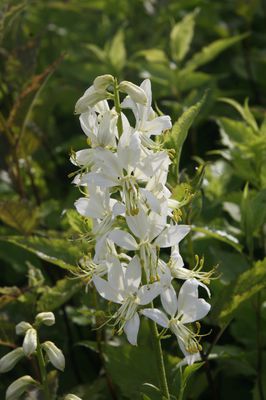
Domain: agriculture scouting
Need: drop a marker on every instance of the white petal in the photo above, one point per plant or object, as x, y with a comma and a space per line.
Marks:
118, 208
116, 277
123, 239
138, 224
172, 235
148, 292
88, 208
106, 291
157, 316
133, 275
157, 125
169, 300
131, 329
189, 304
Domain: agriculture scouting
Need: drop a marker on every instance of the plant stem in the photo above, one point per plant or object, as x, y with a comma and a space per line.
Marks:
118, 108
43, 373
159, 359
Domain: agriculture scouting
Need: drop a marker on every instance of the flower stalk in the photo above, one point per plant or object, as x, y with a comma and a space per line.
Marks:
42, 369
159, 360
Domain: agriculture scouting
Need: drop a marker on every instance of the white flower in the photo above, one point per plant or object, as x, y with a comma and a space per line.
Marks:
22, 327
123, 288
54, 354
152, 232
71, 397
30, 342
8, 361
101, 130
147, 123
19, 386
186, 309
46, 318
136, 93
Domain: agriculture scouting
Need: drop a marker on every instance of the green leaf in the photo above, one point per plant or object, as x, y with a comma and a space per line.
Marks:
211, 51
221, 235
243, 288
181, 36
243, 111
18, 215
60, 252
180, 129
153, 55
139, 361
117, 51
55, 296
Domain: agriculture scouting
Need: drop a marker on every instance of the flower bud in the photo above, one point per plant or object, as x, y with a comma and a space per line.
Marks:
89, 99
72, 397
55, 355
30, 341
19, 386
22, 328
11, 359
135, 92
103, 81
46, 318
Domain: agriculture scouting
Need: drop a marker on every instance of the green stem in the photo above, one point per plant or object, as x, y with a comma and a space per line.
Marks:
118, 108
43, 373
160, 362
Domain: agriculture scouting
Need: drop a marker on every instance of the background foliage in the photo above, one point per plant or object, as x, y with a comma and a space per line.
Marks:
50, 52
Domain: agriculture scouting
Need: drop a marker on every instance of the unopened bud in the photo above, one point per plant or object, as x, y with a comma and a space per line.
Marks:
103, 81
11, 359
30, 342
19, 386
55, 355
72, 397
22, 328
89, 99
46, 318
135, 92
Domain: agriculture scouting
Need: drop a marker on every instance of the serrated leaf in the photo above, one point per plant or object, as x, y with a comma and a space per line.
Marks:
117, 51
243, 288
218, 234
60, 252
180, 129
211, 51
18, 215
58, 295
181, 37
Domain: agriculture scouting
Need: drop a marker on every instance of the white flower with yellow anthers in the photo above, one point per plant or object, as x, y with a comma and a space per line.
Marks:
184, 310
152, 233
176, 266
123, 287
147, 122
100, 128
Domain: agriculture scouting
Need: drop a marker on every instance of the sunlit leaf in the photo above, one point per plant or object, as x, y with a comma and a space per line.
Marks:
246, 285
59, 252
58, 295
211, 51
181, 36
18, 215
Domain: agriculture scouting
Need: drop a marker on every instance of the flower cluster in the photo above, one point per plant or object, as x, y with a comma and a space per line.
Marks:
123, 178
31, 346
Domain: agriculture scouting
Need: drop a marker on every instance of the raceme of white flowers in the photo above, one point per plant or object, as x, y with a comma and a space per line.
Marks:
31, 346
123, 179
